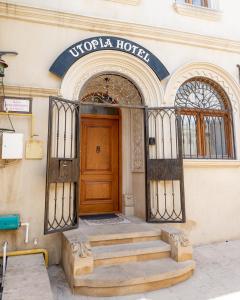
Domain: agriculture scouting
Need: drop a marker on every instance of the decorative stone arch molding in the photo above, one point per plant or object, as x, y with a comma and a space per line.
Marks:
113, 62
203, 69
152, 93
217, 74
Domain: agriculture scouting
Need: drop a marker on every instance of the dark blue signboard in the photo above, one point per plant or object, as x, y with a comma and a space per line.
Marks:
87, 46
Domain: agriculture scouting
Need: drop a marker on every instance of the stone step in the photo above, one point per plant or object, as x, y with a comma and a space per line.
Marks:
120, 237
100, 235
122, 253
133, 277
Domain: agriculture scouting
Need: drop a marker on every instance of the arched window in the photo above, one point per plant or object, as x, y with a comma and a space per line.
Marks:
206, 119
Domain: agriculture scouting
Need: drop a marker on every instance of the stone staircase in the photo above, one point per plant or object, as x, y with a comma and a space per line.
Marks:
125, 259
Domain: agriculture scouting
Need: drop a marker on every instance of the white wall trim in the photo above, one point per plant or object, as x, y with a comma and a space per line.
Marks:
211, 163
129, 2
63, 19
200, 12
28, 91
113, 62
204, 69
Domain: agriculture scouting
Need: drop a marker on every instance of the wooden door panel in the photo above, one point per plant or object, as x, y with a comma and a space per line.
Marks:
97, 191
98, 148
102, 208
99, 165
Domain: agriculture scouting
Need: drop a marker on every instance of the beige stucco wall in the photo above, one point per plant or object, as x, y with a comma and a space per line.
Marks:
40, 53
212, 191
23, 187
212, 201
158, 13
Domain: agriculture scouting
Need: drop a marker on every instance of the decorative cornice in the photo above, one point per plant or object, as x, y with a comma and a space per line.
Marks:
19, 91
113, 62
198, 11
130, 2
114, 27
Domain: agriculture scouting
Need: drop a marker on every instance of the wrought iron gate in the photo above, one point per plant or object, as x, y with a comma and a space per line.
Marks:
164, 166
62, 186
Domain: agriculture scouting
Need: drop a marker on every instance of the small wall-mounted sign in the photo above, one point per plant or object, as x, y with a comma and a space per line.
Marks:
17, 105
34, 149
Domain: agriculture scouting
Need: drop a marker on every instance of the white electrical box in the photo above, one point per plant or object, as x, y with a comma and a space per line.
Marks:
12, 146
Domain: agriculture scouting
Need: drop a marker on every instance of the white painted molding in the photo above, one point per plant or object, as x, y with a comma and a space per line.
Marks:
27, 91
49, 17
203, 69
198, 11
113, 62
130, 2
210, 163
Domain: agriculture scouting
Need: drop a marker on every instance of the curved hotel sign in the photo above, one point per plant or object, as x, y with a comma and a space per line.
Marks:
87, 46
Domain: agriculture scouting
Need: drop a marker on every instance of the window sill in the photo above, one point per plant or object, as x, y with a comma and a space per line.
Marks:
208, 163
129, 2
198, 11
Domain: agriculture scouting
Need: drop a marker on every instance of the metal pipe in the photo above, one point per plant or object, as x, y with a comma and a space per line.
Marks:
28, 252
4, 261
26, 232
32, 129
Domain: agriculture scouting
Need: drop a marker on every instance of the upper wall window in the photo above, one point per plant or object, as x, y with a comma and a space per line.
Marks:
204, 3
206, 119
204, 9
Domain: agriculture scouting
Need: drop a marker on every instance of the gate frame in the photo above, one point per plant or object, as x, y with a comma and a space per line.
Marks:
146, 150
179, 158
49, 149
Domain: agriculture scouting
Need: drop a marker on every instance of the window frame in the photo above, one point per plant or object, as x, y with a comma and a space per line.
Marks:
201, 143
200, 124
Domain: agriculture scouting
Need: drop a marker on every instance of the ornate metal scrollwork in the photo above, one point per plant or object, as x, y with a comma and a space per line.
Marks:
200, 93
111, 89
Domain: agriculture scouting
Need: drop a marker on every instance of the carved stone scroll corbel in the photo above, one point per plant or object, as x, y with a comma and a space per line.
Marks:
181, 248
83, 259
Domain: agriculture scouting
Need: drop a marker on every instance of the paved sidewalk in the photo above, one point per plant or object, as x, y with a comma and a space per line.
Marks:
217, 276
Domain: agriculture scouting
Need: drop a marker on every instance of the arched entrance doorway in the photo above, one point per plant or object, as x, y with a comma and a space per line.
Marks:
103, 136
147, 133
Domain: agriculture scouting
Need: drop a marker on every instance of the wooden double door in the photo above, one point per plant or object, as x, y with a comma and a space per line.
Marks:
99, 170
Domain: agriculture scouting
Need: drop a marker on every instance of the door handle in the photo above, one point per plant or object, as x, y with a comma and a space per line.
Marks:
98, 149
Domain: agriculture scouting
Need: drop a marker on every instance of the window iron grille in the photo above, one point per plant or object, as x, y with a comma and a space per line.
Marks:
206, 120
110, 89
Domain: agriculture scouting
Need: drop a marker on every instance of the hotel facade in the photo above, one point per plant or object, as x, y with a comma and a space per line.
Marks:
134, 109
